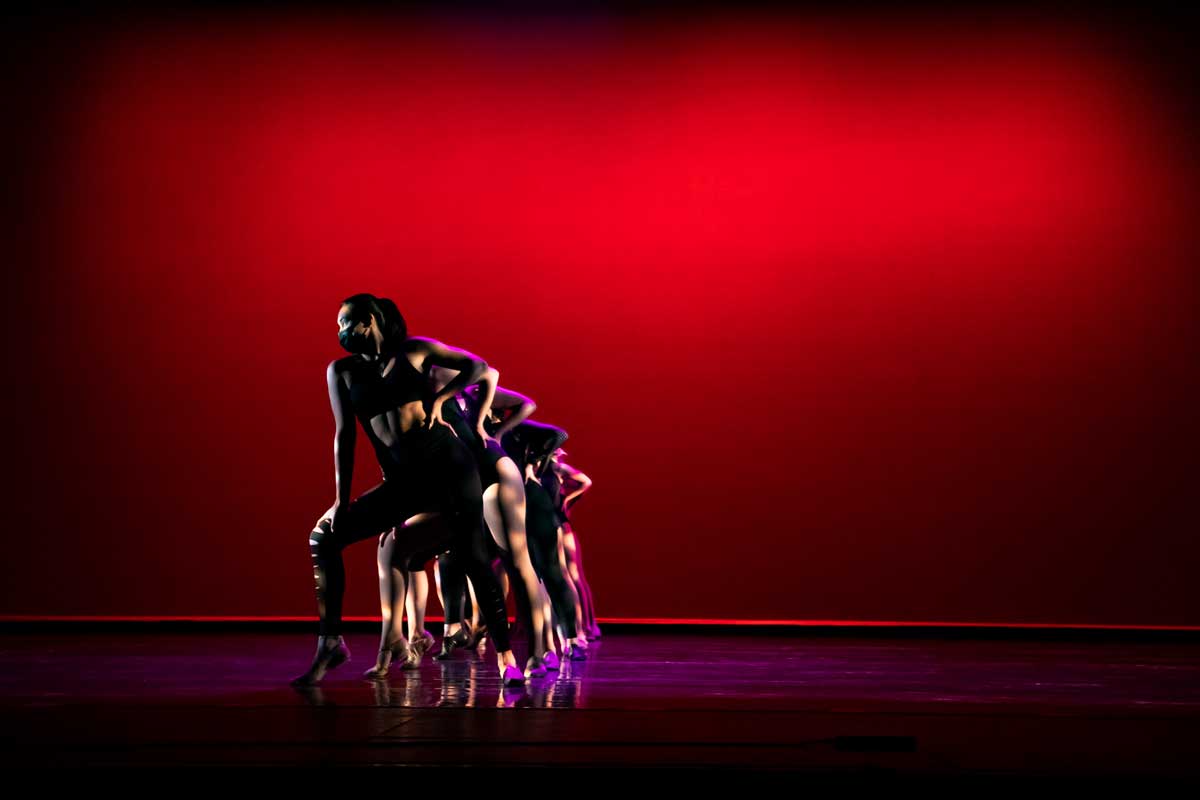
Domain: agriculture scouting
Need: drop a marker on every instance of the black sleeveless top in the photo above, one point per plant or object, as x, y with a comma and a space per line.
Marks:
553, 486
372, 394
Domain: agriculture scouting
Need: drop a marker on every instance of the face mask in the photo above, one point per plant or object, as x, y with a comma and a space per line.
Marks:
353, 342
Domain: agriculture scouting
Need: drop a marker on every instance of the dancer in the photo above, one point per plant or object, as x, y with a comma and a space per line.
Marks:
530, 444
431, 495
572, 484
504, 510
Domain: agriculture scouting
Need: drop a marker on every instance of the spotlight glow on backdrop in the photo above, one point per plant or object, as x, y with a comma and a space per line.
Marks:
846, 320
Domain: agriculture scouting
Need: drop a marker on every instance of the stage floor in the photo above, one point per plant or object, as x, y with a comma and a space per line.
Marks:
818, 705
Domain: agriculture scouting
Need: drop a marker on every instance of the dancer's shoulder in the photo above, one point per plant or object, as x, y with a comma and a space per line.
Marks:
340, 366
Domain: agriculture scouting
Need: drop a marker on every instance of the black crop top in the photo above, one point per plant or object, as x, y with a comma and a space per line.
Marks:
372, 394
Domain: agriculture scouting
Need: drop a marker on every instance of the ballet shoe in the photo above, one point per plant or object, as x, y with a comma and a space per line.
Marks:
550, 660
478, 637
327, 658
534, 668
423, 641
512, 676
413, 661
417, 648
396, 651
576, 653
594, 632
455, 641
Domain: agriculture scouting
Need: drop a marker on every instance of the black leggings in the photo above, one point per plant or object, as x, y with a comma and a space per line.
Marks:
430, 471
455, 567
541, 531
458, 602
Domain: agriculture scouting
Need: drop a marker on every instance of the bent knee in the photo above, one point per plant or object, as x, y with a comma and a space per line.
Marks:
320, 533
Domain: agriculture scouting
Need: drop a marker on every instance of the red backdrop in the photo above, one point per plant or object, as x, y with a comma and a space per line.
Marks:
848, 318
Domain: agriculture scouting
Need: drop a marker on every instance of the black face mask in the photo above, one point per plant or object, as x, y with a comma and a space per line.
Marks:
353, 342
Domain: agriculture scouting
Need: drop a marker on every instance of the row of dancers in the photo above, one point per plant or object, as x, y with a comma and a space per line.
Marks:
468, 479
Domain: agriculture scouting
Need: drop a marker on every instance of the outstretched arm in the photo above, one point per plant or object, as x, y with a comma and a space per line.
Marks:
487, 394
440, 376
522, 407
581, 483
471, 369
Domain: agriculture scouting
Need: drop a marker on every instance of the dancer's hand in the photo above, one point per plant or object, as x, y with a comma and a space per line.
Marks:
487, 439
434, 416
339, 514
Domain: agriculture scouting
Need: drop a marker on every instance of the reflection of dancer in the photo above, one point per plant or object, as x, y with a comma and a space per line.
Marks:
431, 493
572, 484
